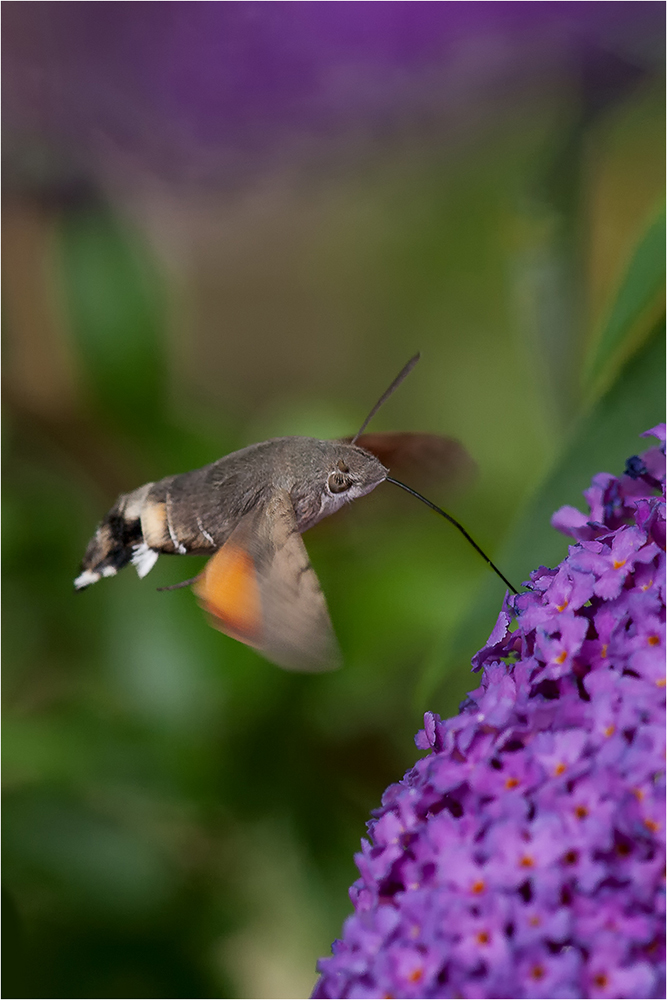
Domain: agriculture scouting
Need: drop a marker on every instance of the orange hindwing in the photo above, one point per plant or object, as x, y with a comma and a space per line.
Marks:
229, 590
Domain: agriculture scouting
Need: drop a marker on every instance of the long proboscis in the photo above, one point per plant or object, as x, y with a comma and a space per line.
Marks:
386, 394
456, 524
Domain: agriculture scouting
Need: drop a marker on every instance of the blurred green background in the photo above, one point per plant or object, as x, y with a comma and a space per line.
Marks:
180, 816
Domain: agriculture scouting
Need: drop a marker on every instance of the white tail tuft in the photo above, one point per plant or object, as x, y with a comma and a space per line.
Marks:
86, 578
143, 559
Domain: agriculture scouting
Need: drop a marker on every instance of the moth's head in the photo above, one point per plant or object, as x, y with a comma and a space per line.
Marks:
329, 474
352, 472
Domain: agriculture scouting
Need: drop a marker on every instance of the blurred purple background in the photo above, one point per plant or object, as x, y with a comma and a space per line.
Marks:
208, 91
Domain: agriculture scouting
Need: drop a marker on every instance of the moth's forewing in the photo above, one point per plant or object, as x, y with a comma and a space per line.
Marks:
423, 460
261, 589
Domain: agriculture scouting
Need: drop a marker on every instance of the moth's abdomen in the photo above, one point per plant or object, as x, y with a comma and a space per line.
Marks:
117, 541
151, 520
180, 515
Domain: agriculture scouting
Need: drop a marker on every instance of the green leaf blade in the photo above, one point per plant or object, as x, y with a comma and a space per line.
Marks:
643, 282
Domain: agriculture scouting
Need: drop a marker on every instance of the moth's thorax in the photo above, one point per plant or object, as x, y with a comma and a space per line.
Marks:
321, 476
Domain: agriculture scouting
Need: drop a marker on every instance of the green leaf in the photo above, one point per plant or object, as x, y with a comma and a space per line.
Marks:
601, 443
643, 282
116, 314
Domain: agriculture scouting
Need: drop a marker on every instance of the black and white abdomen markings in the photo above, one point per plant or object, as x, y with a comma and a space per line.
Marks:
118, 540
140, 526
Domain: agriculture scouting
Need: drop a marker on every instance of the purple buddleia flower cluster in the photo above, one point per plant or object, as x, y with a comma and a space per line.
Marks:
524, 856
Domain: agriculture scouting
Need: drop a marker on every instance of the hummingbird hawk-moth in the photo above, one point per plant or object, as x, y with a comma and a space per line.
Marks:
248, 511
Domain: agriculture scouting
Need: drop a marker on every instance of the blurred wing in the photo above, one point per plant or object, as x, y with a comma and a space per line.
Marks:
260, 588
423, 460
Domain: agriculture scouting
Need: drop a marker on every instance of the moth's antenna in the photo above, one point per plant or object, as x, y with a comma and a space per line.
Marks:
456, 524
386, 394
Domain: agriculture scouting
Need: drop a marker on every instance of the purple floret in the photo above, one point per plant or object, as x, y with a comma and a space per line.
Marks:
524, 856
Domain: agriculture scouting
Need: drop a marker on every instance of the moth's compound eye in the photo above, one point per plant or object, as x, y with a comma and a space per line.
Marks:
338, 482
